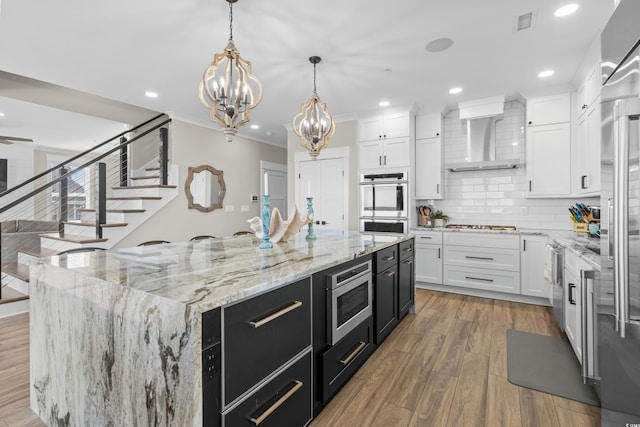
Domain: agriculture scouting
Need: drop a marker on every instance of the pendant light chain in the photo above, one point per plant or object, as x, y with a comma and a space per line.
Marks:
314, 78
230, 21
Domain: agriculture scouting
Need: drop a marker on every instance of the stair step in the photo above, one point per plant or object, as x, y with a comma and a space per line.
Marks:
114, 211
140, 187
152, 169
11, 295
136, 198
93, 224
72, 238
145, 177
21, 271
39, 252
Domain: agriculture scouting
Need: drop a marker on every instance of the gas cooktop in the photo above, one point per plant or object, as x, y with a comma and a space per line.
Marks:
482, 227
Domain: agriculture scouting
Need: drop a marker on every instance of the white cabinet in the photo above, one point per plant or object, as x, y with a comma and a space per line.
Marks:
428, 169
482, 261
573, 304
549, 109
589, 90
549, 160
389, 153
428, 250
382, 127
428, 126
588, 151
532, 258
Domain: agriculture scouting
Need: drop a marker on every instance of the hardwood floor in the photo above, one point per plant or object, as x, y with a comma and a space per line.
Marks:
446, 365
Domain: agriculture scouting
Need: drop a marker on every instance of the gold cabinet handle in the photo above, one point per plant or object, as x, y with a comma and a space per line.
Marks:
277, 314
408, 262
357, 351
390, 273
408, 249
389, 258
277, 404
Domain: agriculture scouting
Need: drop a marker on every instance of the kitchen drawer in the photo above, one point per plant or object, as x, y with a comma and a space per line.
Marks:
479, 278
482, 240
406, 249
499, 259
283, 401
342, 360
432, 237
263, 333
385, 258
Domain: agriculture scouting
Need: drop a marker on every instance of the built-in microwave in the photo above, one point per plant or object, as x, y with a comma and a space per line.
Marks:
384, 195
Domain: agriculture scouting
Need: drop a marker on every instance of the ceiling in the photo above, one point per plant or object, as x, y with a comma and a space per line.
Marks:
371, 50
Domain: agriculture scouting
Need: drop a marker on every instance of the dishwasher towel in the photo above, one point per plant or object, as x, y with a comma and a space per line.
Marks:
548, 264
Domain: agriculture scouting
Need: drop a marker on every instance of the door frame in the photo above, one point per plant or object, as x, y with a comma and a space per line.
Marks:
266, 165
326, 154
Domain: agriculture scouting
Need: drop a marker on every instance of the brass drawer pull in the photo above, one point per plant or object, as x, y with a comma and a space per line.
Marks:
277, 314
408, 249
277, 404
389, 258
357, 351
408, 262
390, 273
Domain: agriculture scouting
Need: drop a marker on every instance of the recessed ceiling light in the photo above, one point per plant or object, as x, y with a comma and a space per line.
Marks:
1, 114
566, 10
455, 90
150, 94
546, 73
514, 143
438, 45
383, 103
268, 133
255, 126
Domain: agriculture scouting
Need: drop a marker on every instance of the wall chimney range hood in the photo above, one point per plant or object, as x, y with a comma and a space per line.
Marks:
480, 119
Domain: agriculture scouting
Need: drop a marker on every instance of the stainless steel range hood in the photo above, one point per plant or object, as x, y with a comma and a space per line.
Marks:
480, 118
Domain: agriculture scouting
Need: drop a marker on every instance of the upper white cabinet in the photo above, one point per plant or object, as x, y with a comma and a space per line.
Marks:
589, 90
549, 109
588, 151
383, 127
549, 146
428, 158
386, 141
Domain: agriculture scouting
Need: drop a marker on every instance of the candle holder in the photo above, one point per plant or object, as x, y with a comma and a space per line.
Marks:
266, 220
310, 235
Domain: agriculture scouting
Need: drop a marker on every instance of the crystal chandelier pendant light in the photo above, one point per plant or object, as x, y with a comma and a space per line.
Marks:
228, 88
313, 124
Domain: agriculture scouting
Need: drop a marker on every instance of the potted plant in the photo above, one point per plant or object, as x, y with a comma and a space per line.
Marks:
439, 218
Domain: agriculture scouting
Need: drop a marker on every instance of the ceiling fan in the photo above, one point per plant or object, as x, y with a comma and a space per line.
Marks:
11, 139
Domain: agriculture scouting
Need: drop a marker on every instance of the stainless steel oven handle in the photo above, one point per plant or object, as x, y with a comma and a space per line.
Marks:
584, 322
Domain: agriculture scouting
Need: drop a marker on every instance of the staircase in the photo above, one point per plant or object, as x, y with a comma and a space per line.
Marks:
128, 203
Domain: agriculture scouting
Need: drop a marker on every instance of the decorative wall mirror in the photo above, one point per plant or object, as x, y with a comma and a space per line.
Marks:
205, 188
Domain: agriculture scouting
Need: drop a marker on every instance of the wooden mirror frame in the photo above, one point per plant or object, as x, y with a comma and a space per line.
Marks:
187, 188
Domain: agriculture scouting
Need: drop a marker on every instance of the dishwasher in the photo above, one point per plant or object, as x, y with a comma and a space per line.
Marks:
556, 253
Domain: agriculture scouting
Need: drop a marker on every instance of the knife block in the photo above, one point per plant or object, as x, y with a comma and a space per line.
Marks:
580, 227
424, 221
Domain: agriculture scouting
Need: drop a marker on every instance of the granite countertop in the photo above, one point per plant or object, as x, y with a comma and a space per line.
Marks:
211, 273
570, 240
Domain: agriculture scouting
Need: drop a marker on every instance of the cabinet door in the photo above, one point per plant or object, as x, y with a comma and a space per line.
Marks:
428, 260
582, 155
370, 129
572, 320
428, 168
428, 126
370, 154
406, 282
549, 160
386, 303
533, 251
396, 153
549, 109
396, 125
594, 129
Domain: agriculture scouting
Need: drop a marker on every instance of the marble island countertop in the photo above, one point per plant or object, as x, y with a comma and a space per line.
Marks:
210, 273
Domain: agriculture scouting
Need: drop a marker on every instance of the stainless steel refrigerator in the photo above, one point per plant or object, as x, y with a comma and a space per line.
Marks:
616, 299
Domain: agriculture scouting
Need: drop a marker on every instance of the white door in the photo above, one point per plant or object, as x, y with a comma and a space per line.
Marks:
276, 176
323, 180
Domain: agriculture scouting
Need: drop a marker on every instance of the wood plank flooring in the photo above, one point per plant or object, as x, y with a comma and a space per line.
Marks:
446, 365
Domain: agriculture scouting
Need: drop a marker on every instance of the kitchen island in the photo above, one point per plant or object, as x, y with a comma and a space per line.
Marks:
116, 337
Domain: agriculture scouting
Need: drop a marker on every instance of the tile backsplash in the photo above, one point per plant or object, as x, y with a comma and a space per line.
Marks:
497, 197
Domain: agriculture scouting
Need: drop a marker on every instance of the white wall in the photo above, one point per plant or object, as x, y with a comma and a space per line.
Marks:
498, 197
192, 145
20, 167
346, 135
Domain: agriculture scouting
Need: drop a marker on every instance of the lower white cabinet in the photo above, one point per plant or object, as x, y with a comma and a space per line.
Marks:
572, 304
532, 258
428, 257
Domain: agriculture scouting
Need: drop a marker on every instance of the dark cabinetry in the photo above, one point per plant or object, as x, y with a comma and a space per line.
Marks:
211, 368
406, 279
385, 292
